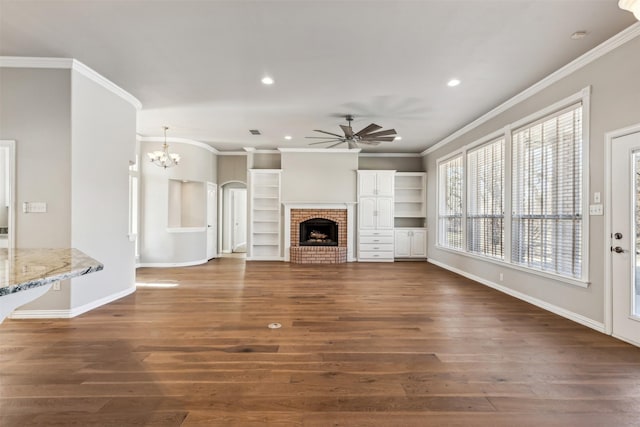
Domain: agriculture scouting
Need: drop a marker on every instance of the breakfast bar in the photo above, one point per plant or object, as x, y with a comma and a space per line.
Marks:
26, 274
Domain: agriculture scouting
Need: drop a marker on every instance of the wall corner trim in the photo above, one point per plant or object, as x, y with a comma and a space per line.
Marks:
602, 49
567, 314
70, 64
72, 312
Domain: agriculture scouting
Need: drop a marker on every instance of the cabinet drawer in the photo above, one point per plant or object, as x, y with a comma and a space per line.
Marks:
376, 247
377, 255
376, 239
376, 233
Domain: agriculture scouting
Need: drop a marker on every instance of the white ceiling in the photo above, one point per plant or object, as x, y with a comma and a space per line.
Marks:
196, 65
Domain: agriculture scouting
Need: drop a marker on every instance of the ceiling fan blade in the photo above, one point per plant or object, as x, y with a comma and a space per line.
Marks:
328, 133
319, 137
352, 144
331, 146
379, 139
347, 131
371, 128
326, 141
381, 133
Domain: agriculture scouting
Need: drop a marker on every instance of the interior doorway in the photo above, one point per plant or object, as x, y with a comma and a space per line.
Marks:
624, 234
234, 218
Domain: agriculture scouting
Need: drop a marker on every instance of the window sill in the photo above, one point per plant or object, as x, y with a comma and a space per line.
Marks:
575, 282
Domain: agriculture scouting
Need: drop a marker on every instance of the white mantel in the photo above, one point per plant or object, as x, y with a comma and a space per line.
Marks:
351, 235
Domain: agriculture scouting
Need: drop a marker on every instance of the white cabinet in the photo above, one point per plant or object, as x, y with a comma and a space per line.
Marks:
264, 211
375, 216
410, 194
375, 183
375, 213
410, 242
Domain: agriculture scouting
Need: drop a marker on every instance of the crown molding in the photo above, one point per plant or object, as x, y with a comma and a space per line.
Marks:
174, 140
320, 150
256, 151
231, 153
69, 64
390, 155
602, 49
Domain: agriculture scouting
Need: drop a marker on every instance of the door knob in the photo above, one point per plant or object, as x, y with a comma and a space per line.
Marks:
617, 236
617, 249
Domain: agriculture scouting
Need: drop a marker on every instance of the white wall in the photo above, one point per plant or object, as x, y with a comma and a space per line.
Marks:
319, 176
103, 132
159, 246
615, 103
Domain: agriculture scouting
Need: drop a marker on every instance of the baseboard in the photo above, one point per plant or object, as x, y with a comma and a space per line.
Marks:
70, 313
173, 264
627, 340
578, 318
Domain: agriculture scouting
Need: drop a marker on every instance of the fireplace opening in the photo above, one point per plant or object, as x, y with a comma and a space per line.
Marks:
318, 232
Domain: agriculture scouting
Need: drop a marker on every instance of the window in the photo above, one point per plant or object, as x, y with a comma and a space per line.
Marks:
450, 203
485, 195
134, 175
547, 194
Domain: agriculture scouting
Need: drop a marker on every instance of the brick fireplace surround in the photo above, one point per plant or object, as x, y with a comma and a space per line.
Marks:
318, 254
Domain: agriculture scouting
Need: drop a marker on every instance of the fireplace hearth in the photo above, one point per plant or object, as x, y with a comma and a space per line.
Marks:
318, 232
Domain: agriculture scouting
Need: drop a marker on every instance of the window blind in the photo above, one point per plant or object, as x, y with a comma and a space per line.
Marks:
547, 194
485, 195
450, 203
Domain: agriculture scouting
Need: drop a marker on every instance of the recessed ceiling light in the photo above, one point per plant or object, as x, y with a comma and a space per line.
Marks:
453, 82
288, 137
397, 138
266, 80
578, 35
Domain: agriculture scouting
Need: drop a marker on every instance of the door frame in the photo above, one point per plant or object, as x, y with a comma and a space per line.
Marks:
210, 185
608, 285
11, 145
232, 217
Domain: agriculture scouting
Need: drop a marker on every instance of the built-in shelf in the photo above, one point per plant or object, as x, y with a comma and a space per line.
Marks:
410, 190
264, 222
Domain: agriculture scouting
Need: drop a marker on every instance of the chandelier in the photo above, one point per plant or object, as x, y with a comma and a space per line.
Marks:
632, 6
163, 158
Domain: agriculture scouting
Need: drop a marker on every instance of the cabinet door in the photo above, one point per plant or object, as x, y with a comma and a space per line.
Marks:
367, 213
384, 183
419, 243
366, 183
402, 244
384, 213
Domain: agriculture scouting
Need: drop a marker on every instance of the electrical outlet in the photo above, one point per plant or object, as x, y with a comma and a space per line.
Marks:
56, 286
596, 197
501, 277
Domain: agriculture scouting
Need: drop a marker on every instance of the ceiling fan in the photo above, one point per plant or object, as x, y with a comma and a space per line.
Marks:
366, 136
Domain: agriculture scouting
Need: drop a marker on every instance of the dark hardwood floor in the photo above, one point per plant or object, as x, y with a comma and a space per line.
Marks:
403, 344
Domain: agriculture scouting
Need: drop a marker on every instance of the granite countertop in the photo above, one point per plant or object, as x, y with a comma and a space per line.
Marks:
22, 269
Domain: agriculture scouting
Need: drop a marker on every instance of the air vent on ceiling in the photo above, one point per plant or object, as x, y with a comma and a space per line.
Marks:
255, 132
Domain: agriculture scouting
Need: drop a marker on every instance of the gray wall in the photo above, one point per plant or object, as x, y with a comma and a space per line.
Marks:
35, 111
232, 168
400, 164
103, 142
265, 161
157, 245
319, 177
615, 103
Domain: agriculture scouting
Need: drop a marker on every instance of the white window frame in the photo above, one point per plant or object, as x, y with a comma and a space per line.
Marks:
467, 193
582, 97
440, 199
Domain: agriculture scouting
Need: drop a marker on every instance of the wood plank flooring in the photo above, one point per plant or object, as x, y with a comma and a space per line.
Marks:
402, 344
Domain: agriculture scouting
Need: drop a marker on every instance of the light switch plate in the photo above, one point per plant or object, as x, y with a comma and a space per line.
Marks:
34, 207
596, 210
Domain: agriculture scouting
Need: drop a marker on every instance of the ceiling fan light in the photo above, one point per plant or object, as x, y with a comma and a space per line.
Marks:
632, 6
